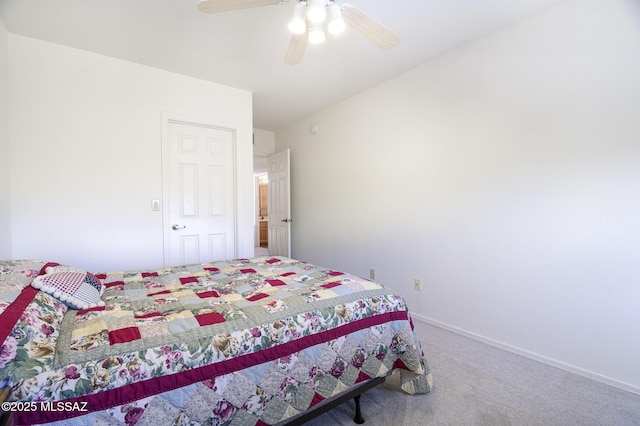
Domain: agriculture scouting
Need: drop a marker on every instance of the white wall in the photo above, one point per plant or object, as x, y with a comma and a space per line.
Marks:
5, 212
264, 142
85, 134
506, 176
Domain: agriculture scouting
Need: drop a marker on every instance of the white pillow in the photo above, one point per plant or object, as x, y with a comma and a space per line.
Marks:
76, 288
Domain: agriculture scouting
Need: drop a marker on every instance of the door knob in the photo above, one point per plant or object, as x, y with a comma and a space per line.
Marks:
286, 220
175, 227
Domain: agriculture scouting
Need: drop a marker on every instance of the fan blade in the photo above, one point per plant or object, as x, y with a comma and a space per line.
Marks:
369, 28
297, 47
217, 6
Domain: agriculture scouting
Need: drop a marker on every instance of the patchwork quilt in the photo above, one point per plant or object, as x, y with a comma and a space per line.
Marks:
241, 342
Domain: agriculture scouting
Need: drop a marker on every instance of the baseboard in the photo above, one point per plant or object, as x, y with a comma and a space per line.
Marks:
532, 355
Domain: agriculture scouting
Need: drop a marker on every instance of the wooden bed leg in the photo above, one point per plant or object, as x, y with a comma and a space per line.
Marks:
358, 418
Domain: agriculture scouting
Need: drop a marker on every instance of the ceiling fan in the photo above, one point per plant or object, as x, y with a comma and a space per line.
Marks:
307, 24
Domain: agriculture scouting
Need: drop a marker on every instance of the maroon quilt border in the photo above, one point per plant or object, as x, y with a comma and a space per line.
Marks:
14, 311
135, 391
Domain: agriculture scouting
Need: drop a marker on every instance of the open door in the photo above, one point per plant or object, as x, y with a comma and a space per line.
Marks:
279, 204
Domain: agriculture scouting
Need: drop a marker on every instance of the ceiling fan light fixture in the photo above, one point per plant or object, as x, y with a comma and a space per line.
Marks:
317, 12
336, 23
316, 34
308, 22
298, 25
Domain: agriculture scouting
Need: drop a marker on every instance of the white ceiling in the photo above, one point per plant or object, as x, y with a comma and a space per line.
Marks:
245, 48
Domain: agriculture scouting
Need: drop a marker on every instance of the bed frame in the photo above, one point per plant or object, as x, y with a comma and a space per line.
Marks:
328, 404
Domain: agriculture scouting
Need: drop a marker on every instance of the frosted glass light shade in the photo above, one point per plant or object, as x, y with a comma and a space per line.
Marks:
317, 12
298, 25
336, 24
316, 34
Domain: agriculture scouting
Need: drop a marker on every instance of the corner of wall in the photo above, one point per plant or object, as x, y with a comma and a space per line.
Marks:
5, 205
263, 142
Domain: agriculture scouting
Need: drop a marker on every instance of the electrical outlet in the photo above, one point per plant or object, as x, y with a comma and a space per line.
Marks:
372, 274
417, 284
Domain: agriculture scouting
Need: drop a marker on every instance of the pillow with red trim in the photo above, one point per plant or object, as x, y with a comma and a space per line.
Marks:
76, 288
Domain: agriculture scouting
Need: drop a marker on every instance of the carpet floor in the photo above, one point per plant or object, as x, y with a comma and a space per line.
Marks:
478, 384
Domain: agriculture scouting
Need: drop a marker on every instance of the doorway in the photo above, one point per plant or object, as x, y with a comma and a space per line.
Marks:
263, 212
273, 207
199, 186
261, 190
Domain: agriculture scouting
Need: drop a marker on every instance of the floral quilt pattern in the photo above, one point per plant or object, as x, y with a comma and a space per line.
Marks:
250, 341
14, 276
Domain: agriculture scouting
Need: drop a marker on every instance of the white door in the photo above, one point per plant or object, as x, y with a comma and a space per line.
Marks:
279, 205
199, 187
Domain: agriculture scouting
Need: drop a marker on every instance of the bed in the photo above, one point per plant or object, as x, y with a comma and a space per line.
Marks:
257, 341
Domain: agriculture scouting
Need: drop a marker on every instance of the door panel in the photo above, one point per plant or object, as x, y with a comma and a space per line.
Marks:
188, 190
200, 188
279, 204
189, 249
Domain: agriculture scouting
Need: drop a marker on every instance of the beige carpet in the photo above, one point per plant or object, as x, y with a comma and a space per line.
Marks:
478, 384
